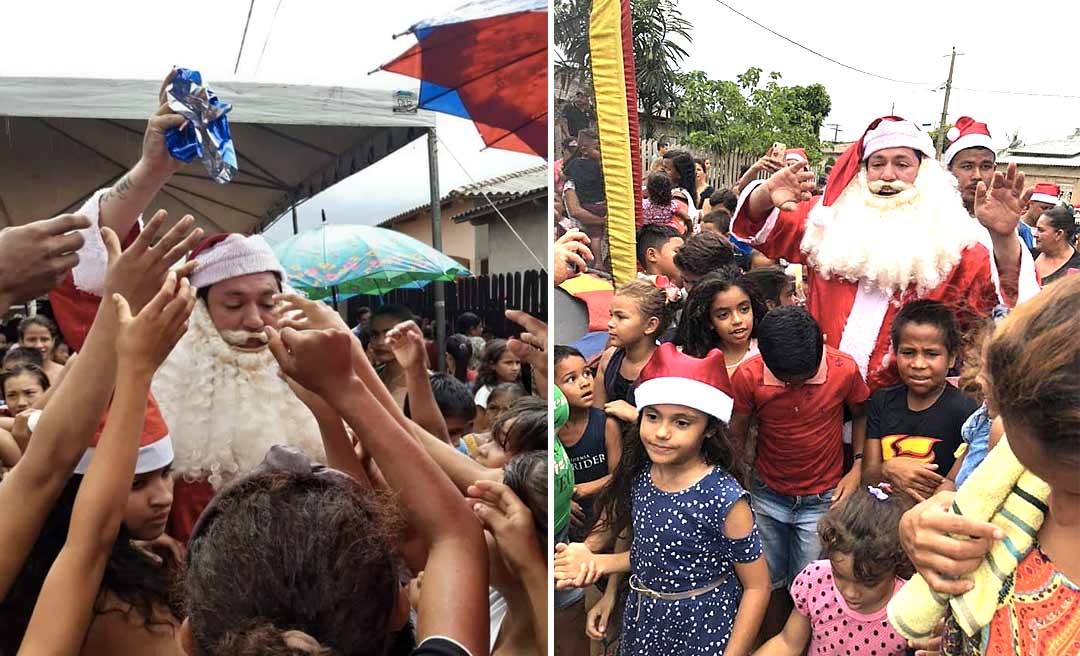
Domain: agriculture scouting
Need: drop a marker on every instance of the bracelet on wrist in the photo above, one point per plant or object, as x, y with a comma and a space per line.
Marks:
858, 456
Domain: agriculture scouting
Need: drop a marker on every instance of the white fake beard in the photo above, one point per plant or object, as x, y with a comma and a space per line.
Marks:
225, 408
915, 236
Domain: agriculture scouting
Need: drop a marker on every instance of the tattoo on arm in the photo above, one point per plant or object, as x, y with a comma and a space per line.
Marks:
120, 189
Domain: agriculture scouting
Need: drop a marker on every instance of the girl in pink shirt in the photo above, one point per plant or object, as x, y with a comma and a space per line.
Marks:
840, 601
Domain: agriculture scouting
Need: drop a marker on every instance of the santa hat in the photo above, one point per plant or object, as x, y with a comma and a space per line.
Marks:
882, 133
792, 155
671, 376
1047, 192
155, 445
967, 133
230, 255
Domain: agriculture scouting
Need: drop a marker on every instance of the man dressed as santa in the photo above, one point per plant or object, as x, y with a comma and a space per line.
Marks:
890, 228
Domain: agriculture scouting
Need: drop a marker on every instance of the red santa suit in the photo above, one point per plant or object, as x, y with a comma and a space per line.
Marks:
855, 298
224, 408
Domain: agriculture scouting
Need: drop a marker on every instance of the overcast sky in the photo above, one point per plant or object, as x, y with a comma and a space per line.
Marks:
1024, 47
319, 42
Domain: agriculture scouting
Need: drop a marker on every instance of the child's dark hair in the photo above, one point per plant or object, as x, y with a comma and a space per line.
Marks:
466, 321
704, 253
720, 218
526, 476
129, 576
515, 390
790, 342
522, 427
613, 505
453, 397
39, 320
866, 529
489, 357
653, 235
724, 198
659, 188
17, 355
771, 282
20, 369
928, 313
399, 312
652, 302
1031, 366
562, 352
683, 163
329, 568
696, 335
459, 348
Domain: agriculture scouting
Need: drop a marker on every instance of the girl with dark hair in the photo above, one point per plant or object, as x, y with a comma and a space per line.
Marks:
458, 354
658, 206
722, 312
682, 524
498, 364
840, 600
679, 167
23, 385
39, 332
1054, 234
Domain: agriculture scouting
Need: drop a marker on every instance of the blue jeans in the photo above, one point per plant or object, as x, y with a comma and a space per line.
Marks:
789, 529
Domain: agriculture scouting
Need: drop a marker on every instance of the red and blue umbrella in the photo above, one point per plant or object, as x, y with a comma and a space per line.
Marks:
486, 62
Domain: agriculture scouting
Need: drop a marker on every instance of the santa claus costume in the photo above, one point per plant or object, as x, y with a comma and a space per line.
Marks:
868, 254
224, 407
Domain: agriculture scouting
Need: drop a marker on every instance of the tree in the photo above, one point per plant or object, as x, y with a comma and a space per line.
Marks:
659, 30
750, 116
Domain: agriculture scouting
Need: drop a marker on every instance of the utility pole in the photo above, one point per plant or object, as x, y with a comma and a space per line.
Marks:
836, 130
940, 146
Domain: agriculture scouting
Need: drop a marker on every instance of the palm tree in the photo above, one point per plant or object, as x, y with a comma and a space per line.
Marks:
658, 27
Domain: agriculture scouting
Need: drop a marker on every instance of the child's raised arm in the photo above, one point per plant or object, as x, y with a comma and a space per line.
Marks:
64, 608
407, 343
28, 492
454, 597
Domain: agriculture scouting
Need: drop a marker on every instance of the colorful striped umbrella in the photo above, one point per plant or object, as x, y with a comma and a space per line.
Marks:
486, 62
344, 260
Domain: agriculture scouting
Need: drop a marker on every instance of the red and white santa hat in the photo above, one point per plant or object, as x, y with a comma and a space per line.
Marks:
229, 255
882, 133
792, 155
967, 133
671, 376
1047, 192
155, 445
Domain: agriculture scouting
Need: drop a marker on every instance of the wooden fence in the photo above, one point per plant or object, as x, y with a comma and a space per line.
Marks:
485, 296
723, 167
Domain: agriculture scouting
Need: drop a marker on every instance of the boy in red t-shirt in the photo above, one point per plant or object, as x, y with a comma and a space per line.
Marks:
796, 388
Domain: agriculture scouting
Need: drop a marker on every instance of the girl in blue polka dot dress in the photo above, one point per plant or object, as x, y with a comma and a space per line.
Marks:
698, 582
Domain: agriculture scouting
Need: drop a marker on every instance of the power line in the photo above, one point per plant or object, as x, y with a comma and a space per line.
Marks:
243, 37
1018, 93
267, 40
815, 52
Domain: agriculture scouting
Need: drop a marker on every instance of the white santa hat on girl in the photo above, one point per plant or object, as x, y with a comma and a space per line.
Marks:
967, 133
671, 376
229, 255
155, 445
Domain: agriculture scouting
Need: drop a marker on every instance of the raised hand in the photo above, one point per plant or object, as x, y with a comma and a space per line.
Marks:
769, 163
407, 343
999, 208
300, 313
155, 154
145, 339
37, 256
320, 360
790, 185
510, 522
531, 346
571, 249
137, 273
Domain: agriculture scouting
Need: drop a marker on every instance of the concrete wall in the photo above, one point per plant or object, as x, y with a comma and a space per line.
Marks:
505, 252
459, 239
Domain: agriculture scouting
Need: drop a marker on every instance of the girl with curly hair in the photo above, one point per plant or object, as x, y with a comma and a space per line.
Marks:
722, 312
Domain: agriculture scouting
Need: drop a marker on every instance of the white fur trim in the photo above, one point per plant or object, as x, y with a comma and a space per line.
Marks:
770, 221
863, 325
236, 255
1046, 198
1028, 282
965, 142
151, 457
89, 273
896, 134
684, 391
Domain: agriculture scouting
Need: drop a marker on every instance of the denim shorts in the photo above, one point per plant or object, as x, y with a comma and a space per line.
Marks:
788, 526
570, 596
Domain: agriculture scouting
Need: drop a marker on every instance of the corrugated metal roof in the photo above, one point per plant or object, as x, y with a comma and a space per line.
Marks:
511, 185
1059, 152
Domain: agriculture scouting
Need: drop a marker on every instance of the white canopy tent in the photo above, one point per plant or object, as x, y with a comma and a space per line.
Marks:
64, 138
